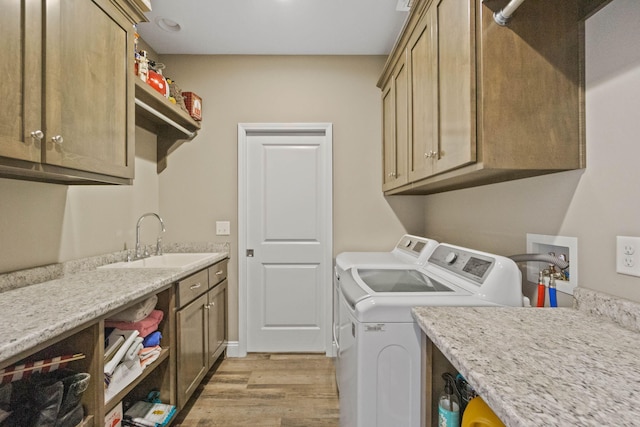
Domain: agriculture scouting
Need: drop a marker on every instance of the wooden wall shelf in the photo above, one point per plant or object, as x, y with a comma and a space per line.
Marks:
156, 114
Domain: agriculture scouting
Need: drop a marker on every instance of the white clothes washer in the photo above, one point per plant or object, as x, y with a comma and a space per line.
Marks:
379, 342
410, 250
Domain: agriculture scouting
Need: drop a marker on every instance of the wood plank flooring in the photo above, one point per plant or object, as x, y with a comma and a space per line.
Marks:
266, 390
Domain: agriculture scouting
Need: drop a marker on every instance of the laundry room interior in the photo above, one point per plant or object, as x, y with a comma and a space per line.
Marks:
549, 126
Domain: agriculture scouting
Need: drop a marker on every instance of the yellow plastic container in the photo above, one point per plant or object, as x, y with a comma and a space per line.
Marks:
478, 414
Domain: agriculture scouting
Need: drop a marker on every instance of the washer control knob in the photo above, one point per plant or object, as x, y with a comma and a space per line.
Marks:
407, 243
451, 258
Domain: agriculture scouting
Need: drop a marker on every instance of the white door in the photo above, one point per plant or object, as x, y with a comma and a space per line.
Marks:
285, 242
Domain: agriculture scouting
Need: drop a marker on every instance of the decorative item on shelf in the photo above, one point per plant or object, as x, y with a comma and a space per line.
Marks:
194, 105
176, 93
156, 80
143, 65
136, 54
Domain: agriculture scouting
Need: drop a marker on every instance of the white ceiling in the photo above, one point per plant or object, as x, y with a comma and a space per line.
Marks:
275, 27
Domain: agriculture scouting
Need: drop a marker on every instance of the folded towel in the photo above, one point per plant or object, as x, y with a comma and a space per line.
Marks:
145, 326
132, 353
152, 339
136, 312
148, 355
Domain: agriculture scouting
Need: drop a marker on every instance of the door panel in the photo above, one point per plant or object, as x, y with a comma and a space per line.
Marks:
192, 330
456, 82
285, 283
20, 90
288, 212
423, 57
89, 123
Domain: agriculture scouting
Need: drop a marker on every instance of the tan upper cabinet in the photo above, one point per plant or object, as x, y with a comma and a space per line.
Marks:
423, 93
74, 121
20, 89
395, 113
489, 103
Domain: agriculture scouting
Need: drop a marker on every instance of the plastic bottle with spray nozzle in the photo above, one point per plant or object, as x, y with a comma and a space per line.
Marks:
448, 404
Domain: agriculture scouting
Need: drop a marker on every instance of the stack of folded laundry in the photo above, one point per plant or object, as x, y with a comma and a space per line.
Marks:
133, 342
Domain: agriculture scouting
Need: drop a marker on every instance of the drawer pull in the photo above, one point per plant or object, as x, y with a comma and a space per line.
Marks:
196, 286
219, 273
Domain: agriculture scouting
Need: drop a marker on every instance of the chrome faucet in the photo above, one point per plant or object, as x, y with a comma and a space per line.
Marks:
138, 253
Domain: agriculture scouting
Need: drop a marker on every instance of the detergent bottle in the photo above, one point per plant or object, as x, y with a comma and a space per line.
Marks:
448, 405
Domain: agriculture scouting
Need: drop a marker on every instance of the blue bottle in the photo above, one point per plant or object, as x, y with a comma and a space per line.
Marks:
448, 407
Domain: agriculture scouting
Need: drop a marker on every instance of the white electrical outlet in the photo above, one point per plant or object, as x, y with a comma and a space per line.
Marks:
628, 255
223, 228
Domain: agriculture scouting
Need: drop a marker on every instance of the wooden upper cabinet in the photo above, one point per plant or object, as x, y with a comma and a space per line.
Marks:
20, 89
490, 103
423, 127
68, 72
456, 74
395, 105
88, 53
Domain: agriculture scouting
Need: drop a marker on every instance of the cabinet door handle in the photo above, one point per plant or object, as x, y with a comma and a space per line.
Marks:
37, 134
196, 286
208, 306
58, 139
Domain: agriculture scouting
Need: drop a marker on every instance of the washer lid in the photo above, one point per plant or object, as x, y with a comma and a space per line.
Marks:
401, 280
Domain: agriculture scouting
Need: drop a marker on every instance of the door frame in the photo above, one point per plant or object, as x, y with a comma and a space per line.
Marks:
244, 129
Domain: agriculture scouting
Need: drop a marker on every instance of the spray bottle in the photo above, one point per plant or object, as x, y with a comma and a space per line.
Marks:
448, 404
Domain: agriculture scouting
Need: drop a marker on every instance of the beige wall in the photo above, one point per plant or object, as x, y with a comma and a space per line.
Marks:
200, 184
596, 204
46, 223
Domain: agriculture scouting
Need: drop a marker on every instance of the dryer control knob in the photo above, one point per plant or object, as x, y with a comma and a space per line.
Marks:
451, 258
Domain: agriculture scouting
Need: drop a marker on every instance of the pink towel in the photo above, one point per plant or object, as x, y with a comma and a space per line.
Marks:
145, 326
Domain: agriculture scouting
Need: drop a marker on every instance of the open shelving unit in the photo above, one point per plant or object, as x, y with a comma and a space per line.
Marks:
169, 122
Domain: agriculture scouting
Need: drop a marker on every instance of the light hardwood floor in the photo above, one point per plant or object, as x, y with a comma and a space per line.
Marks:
266, 390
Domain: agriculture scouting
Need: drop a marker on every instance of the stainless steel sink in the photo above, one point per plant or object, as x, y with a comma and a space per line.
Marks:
180, 261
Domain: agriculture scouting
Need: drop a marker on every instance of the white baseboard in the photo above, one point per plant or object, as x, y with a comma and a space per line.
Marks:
233, 349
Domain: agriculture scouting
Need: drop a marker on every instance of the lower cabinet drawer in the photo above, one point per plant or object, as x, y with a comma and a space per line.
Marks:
192, 287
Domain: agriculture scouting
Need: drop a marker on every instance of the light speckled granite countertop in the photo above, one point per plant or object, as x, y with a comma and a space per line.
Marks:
31, 315
546, 367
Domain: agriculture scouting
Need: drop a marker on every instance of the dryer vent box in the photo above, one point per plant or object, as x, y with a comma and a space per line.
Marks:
543, 244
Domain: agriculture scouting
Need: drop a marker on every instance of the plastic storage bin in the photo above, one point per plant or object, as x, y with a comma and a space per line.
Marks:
478, 414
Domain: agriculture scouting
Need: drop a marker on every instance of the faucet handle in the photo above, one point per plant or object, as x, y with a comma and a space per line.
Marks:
159, 246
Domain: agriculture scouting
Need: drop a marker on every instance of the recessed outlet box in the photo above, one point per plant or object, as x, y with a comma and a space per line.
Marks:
223, 228
543, 244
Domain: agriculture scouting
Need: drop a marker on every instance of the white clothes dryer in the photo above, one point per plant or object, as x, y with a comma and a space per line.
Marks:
410, 250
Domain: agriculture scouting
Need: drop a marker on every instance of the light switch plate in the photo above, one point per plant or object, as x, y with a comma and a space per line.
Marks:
223, 228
